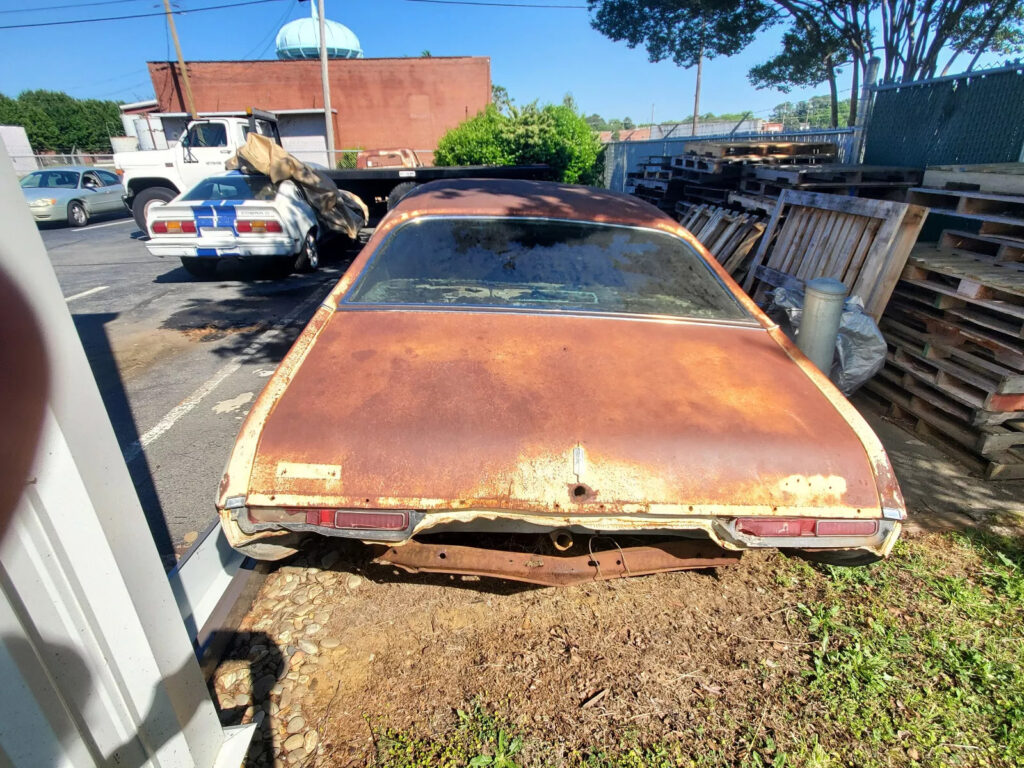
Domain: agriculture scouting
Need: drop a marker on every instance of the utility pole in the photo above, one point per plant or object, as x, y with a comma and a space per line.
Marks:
696, 95
328, 116
190, 103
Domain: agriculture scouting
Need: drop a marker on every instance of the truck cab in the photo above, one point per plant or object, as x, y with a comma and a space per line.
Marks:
201, 151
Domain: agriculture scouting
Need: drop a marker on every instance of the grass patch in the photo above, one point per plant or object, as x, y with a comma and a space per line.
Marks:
915, 661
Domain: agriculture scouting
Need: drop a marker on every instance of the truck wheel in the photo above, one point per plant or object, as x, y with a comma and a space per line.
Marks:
204, 269
77, 215
399, 192
308, 258
145, 198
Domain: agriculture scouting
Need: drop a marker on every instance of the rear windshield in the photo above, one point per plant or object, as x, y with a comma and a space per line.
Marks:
543, 264
250, 187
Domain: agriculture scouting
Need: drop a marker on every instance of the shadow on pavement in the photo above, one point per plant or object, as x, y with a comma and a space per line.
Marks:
96, 342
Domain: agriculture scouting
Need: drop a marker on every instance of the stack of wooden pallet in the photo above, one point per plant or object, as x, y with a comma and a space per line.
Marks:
652, 180
875, 181
728, 235
711, 171
955, 325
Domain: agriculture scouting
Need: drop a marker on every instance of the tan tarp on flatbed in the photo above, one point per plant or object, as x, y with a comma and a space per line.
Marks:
338, 209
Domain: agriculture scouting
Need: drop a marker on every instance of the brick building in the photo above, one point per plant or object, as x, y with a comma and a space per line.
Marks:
377, 103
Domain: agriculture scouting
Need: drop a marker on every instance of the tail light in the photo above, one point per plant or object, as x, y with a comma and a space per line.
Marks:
257, 225
356, 520
802, 526
170, 227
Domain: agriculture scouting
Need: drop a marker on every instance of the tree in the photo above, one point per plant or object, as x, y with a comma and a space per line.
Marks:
806, 60
909, 35
554, 134
628, 124
687, 31
55, 121
500, 99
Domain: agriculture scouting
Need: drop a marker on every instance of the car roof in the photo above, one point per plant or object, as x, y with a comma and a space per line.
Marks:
522, 198
78, 168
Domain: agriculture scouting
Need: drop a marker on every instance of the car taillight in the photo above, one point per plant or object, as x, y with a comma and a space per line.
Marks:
257, 225
846, 527
802, 526
774, 526
356, 520
169, 227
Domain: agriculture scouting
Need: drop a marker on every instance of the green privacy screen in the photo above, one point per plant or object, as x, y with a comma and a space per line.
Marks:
970, 119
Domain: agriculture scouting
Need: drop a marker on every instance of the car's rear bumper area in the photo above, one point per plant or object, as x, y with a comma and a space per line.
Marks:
462, 541
222, 249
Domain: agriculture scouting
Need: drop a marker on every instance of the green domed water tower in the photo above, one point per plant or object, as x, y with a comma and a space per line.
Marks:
300, 39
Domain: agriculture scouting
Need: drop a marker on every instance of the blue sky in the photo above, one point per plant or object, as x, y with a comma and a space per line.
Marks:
535, 53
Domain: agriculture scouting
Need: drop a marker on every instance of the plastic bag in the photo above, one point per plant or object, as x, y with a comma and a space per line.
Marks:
860, 346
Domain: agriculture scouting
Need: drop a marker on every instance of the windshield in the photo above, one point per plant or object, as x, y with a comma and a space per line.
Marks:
250, 187
543, 264
51, 180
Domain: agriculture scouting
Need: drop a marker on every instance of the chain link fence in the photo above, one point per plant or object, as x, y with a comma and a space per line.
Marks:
970, 118
621, 157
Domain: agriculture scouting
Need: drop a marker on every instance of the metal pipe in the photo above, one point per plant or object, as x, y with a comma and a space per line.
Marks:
562, 539
823, 309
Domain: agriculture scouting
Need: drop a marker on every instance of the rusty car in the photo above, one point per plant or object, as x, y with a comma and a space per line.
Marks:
553, 384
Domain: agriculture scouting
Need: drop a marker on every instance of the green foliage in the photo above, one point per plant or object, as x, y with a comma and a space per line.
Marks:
815, 112
348, 158
500, 99
806, 60
682, 30
554, 134
57, 122
479, 740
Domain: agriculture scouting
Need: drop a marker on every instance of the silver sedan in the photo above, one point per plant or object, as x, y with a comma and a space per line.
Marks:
72, 193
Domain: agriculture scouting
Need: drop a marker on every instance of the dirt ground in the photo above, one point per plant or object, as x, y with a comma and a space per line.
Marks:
338, 651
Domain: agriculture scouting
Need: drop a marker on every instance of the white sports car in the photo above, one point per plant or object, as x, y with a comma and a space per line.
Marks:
240, 216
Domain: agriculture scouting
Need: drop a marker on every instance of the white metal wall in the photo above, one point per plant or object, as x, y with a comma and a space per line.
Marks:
96, 664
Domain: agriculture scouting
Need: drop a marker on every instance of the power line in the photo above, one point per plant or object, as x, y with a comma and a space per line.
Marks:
499, 5
137, 15
33, 9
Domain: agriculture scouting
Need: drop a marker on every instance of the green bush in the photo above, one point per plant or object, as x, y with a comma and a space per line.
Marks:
553, 134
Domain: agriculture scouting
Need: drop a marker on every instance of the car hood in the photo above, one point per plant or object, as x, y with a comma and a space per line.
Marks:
553, 413
57, 193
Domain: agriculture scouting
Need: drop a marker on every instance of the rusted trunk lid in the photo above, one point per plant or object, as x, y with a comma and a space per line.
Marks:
492, 410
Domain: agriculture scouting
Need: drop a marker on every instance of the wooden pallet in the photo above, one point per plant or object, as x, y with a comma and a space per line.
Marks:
944, 331
997, 286
1007, 210
948, 433
992, 247
728, 235
752, 202
760, 148
993, 178
864, 243
836, 175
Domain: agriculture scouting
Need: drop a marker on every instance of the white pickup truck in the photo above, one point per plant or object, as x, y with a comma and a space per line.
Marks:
204, 146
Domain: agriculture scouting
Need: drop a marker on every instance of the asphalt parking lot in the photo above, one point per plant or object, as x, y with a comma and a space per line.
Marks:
178, 361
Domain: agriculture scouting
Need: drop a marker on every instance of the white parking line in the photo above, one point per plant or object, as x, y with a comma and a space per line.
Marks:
108, 224
134, 450
91, 291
